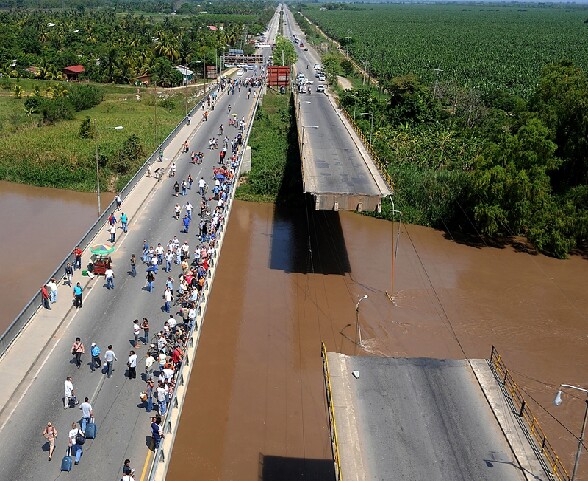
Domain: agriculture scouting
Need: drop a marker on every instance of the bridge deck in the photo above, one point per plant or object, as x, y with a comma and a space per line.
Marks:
337, 170
418, 419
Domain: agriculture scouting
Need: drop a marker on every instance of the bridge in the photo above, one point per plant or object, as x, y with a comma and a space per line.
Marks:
337, 168
35, 352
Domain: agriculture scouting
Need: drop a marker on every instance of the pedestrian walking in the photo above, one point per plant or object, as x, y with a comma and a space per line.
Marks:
169, 258
145, 257
77, 349
150, 280
167, 296
87, 413
136, 333
132, 365
52, 285
118, 200
202, 186
69, 273
109, 358
186, 224
45, 296
124, 221
112, 219
50, 433
145, 327
113, 233
69, 398
109, 275
76, 439
77, 293
133, 265
126, 469
77, 252
96, 363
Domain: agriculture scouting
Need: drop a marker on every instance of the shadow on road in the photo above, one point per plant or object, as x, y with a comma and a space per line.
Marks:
279, 468
304, 240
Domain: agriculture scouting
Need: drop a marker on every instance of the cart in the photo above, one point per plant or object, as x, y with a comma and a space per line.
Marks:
101, 264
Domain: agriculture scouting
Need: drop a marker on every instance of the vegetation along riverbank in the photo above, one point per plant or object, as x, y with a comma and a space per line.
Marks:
479, 114
72, 72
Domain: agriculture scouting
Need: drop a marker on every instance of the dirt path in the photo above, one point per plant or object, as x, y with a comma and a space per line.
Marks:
344, 83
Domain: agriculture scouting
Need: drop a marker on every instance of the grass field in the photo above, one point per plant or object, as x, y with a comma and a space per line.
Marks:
56, 156
487, 47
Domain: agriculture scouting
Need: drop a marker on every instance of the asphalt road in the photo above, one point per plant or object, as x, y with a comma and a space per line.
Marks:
106, 318
332, 163
425, 419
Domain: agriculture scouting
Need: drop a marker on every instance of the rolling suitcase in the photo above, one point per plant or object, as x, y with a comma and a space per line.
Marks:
66, 462
91, 430
72, 401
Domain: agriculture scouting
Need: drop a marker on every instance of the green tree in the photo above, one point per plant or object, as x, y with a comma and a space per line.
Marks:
562, 103
284, 47
511, 184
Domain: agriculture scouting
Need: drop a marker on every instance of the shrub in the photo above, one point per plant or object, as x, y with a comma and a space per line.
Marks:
83, 97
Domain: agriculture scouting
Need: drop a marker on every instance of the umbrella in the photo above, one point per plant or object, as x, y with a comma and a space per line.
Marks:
219, 176
102, 249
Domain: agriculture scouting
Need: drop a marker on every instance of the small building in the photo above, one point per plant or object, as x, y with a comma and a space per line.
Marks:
187, 74
144, 79
73, 72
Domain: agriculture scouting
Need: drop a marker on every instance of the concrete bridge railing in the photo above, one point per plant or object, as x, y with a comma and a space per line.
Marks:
160, 463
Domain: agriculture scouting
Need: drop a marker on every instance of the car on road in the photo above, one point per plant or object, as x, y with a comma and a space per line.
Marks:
322, 78
301, 44
306, 49
240, 72
320, 88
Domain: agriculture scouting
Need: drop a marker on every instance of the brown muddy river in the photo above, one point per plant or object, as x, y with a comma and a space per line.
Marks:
255, 408
39, 228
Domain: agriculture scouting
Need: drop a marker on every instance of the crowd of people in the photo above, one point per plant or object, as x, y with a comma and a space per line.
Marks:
181, 293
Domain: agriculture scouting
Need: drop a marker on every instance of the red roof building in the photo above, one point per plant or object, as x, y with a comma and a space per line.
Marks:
73, 71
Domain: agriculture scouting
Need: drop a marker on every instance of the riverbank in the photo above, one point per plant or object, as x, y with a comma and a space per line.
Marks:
60, 156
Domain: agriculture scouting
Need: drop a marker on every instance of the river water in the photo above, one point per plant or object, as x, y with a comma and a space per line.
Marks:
40, 226
255, 409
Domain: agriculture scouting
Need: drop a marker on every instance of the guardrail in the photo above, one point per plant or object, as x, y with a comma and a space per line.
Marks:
380, 164
159, 465
331, 407
26, 314
535, 434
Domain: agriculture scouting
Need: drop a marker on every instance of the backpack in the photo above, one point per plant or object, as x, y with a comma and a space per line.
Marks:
80, 439
95, 351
